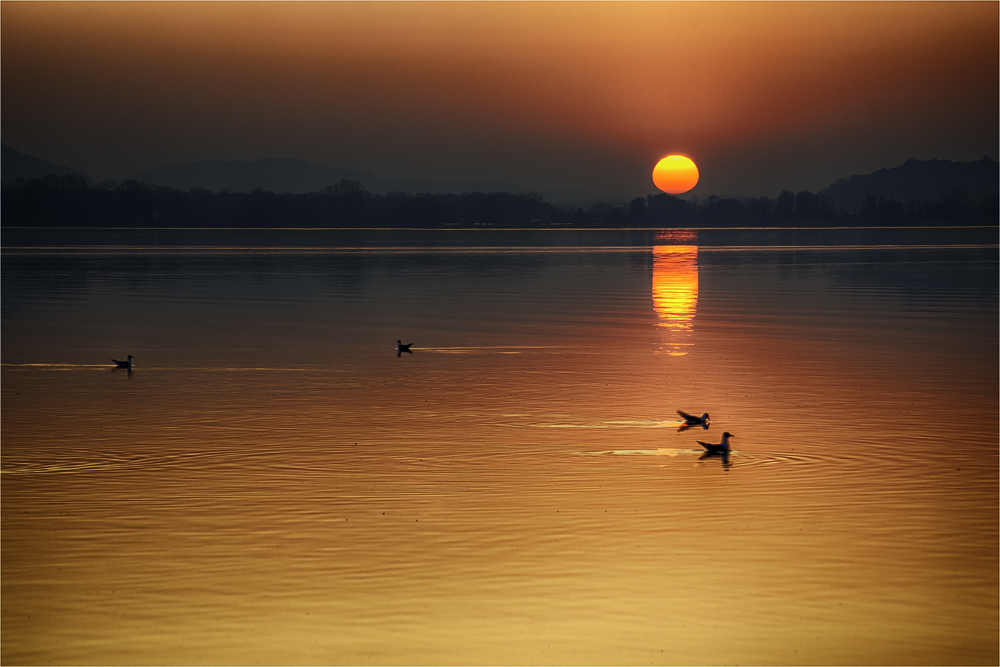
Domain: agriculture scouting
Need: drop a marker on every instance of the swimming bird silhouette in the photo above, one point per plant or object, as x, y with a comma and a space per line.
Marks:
403, 347
722, 448
691, 420
124, 364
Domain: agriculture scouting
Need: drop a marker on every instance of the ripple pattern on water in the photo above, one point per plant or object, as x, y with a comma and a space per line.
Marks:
271, 483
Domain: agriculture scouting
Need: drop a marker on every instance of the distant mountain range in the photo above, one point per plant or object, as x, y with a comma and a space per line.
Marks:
297, 177
920, 180
16, 164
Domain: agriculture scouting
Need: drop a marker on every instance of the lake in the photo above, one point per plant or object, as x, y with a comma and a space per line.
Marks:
273, 484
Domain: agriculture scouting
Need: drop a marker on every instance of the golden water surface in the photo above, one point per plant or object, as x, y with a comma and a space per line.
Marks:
272, 484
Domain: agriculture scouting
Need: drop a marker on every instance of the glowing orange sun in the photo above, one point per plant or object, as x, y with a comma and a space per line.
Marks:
675, 174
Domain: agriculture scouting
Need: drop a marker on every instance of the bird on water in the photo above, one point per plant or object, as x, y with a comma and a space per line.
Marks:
691, 420
402, 347
124, 364
722, 448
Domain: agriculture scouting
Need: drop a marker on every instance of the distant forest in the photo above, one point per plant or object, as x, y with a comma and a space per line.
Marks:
68, 200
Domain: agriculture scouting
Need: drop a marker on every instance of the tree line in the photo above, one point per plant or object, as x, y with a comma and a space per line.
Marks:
70, 201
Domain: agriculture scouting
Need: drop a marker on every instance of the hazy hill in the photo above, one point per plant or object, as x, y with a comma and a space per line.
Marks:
296, 177
920, 180
967, 183
14, 165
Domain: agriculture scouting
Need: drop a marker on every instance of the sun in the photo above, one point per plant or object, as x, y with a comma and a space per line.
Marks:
675, 174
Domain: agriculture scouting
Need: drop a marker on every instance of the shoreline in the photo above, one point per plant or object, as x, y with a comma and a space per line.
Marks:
385, 239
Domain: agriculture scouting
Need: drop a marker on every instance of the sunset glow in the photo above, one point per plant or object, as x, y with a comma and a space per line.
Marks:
419, 365
675, 174
549, 96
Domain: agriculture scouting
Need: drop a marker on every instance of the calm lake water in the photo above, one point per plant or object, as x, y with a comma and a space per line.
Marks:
272, 484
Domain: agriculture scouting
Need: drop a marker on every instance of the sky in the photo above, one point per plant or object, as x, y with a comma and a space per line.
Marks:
552, 96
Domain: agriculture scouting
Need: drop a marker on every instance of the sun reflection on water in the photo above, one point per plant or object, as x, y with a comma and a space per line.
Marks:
675, 288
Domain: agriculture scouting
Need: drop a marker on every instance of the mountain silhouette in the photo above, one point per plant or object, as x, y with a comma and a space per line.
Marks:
919, 180
964, 183
283, 175
14, 165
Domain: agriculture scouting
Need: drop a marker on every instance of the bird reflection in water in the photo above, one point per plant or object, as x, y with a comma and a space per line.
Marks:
722, 456
675, 287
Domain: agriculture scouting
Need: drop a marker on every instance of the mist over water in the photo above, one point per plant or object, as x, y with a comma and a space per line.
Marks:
272, 483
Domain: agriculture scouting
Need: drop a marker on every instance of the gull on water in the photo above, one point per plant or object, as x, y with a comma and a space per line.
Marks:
722, 448
124, 364
402, 347
691, 420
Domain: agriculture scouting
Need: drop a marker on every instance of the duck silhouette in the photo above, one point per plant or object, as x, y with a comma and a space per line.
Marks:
124, 364
722, 448
691, 420
402, 347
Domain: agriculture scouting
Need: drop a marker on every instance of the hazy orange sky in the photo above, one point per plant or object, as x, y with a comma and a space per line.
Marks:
564, 95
